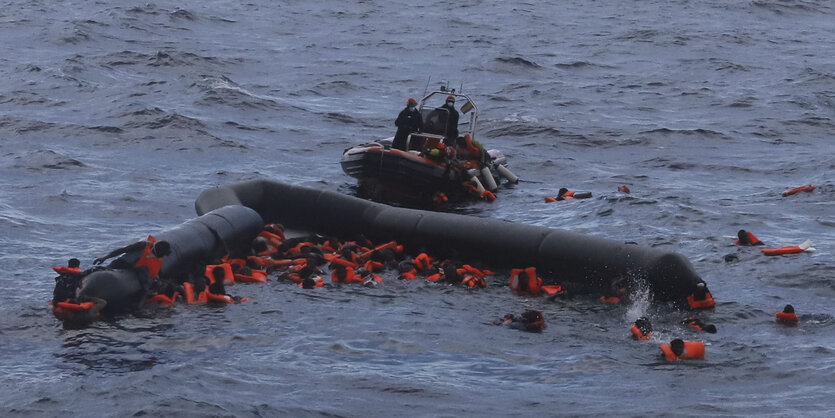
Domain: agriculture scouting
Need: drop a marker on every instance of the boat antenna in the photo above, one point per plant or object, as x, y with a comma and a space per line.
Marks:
425, 89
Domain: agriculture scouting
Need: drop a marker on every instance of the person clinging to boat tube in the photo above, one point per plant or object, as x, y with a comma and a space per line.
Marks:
144, 255
408, 121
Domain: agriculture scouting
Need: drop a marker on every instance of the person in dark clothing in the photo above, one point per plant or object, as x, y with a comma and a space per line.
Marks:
451, 121
408, 121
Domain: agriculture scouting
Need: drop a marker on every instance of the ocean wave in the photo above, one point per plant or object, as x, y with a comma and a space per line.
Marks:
224, 92
791, 6
156, 118
517, 62
329, 88
705, 133
46, 159
182, 14
581, 65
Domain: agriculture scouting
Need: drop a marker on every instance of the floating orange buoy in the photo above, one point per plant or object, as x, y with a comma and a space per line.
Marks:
806, 188
790, 249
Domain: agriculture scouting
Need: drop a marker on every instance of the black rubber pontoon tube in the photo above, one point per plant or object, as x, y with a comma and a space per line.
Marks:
568, 257
193, 244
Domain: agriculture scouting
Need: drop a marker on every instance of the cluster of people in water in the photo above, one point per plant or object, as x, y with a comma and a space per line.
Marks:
318, 261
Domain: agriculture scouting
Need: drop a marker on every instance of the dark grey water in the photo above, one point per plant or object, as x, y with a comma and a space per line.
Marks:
114, 118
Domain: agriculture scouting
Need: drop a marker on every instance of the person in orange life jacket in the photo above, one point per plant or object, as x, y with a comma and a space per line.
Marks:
641, 329
451, 121
408, 121
472, 149
66, 284
72, 267
680, 349
747, 238
147, 253
787, 316
616, 292
699, 325
526, 281
701, 297
217, 288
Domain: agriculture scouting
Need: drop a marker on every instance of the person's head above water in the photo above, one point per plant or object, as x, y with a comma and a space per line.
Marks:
161, 248
677, 346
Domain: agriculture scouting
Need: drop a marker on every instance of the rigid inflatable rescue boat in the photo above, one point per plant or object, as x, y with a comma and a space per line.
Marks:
593, 262
431, 165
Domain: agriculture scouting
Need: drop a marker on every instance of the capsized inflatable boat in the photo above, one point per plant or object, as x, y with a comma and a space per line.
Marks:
226, 230
568, 257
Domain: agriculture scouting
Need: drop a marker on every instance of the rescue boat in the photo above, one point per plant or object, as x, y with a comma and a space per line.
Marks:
428, 169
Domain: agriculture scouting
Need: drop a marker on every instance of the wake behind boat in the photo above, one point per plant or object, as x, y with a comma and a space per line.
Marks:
440, 162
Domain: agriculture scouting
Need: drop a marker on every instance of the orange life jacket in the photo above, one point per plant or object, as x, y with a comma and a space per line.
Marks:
707, 302
466, 268
257, 276
350, 276
423, 262
237, 262
67, 305
787, 317
551, 289
274, 240
373, 266
751, 239
549, 199
806, 188
228, 277
163, 299
319, 282
473, 151
409, 275
472, 282
639, 335
343, 262
614, 300
287, 262
279, 232
66, 270
692, 350
148, 260
534, 283
391, 245
201, 297
219, 298
435, 277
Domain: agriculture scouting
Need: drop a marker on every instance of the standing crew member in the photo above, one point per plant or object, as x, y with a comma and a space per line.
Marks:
451, 121
408, 121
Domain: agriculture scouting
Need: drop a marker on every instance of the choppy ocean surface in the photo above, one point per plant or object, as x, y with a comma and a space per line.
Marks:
114, 118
